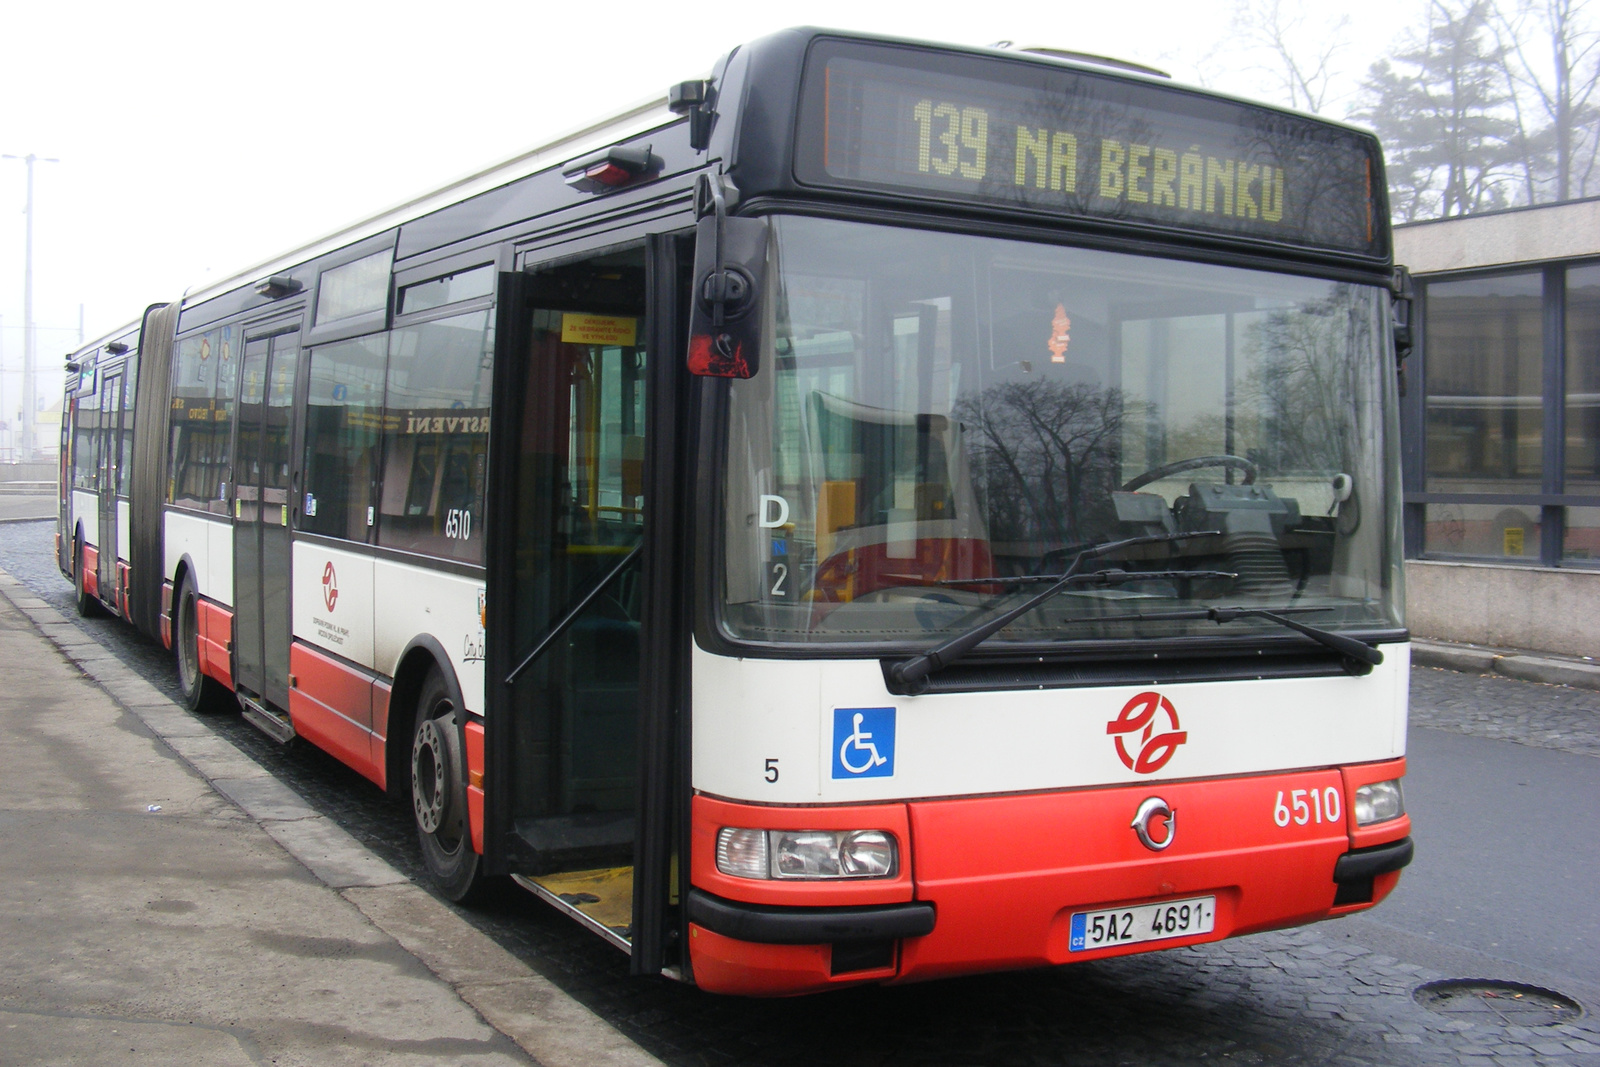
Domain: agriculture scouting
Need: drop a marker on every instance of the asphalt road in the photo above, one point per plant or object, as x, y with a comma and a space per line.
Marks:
1506, 863
1502, 777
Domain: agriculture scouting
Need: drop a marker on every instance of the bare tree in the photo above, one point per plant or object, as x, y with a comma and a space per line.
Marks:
1560, 90
1302, 53
1045, 456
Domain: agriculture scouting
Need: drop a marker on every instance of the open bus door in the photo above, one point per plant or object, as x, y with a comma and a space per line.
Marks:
587, 623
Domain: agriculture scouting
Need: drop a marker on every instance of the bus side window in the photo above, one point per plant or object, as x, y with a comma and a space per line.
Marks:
436, 437
343, 410
86, 446
195, 430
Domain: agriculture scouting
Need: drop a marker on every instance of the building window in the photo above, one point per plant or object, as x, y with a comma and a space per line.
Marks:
1485, 420
1509, 469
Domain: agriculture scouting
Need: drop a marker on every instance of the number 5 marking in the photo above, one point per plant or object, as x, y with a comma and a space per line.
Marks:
772, 770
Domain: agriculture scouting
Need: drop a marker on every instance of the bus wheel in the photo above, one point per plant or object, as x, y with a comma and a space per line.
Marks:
439, 793
88, 606
200, 691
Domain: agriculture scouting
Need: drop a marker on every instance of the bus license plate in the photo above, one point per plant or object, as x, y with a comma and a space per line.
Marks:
1147, 922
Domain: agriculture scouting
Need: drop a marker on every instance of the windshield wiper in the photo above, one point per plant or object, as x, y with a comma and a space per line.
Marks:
1349, 647
912, 673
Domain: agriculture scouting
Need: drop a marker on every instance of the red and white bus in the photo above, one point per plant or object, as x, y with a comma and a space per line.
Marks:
885, 511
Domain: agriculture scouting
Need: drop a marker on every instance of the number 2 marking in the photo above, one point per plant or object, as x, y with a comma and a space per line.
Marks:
780, 572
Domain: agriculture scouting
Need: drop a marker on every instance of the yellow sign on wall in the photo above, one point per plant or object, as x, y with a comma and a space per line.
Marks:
1513, 541
598, 329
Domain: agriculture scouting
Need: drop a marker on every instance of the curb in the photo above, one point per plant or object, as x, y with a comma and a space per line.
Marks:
1523, 666
544, 1021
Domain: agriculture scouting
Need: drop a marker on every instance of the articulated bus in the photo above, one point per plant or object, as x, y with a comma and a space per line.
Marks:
885, 511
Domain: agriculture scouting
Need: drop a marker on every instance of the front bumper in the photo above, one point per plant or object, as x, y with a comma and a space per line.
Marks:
992, 883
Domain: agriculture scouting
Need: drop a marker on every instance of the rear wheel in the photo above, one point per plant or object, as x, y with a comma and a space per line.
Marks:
200, 691
86, 603
439, 793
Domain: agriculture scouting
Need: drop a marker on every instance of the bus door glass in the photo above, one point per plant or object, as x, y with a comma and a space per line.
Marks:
578, 515
110, 478
264, 453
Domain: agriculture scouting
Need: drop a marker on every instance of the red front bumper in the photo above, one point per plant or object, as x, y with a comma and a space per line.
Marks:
1005, 874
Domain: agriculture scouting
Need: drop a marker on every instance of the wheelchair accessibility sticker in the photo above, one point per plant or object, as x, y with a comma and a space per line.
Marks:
863, 742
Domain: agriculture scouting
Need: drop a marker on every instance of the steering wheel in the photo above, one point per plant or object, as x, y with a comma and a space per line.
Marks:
1155, 474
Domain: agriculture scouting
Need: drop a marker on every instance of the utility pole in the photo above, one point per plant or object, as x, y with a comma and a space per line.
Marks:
30, 401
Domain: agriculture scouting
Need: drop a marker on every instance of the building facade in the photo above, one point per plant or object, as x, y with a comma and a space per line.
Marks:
1501, 424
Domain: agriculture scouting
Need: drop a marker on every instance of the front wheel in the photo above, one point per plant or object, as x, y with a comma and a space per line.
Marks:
439, 794
200, 691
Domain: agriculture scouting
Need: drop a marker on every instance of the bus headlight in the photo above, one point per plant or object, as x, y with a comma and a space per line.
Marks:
807, 854
1379, 802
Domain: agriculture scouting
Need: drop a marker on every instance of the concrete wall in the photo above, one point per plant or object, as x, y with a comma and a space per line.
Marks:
1556, 231
1544, 608
28, 472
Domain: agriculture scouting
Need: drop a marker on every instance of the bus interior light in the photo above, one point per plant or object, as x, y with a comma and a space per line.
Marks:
1379, 802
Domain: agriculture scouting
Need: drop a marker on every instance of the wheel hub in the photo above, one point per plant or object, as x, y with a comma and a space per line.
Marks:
430, 776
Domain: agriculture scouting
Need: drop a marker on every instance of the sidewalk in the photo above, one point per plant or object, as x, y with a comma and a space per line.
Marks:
1546, 667
164, 900
27, 507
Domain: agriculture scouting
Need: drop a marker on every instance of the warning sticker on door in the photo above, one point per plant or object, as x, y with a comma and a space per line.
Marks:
579, 329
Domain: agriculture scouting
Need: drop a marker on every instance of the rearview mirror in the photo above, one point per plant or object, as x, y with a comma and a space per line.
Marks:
730, 265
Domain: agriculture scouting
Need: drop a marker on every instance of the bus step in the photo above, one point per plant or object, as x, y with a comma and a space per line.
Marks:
602, 900
270, 721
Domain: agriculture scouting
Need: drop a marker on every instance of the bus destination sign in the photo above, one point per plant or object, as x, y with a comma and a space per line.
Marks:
1071, 142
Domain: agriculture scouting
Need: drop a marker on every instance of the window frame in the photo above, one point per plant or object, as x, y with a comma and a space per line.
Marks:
353, 325
1552, 499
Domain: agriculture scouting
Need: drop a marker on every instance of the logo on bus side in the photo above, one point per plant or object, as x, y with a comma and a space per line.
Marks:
1138, 716
330, 586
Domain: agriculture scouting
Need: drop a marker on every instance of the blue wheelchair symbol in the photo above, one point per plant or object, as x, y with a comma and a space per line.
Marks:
863, 742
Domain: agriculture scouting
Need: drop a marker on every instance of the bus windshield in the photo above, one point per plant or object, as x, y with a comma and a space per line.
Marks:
940, 422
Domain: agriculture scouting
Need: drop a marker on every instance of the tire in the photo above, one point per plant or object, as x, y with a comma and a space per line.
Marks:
200, 692
87, 604
439, 794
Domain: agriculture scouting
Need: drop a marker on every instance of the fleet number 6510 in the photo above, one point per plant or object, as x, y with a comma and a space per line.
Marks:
1307, 805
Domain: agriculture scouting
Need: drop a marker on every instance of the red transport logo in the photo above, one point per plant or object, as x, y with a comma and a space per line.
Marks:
330, 586
1138, 716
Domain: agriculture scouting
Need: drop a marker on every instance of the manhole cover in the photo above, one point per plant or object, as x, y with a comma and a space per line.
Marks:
1509, 1002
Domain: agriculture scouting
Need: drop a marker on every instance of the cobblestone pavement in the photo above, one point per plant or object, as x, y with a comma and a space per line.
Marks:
1503, 709
1318, 995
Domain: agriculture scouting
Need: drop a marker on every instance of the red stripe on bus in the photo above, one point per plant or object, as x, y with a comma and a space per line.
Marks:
166, 614
91, 570
215, 623
724, 965
475, 783
382, 690
328, 704
1006, 873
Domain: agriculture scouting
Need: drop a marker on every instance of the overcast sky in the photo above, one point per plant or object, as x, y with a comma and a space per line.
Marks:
196, 139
